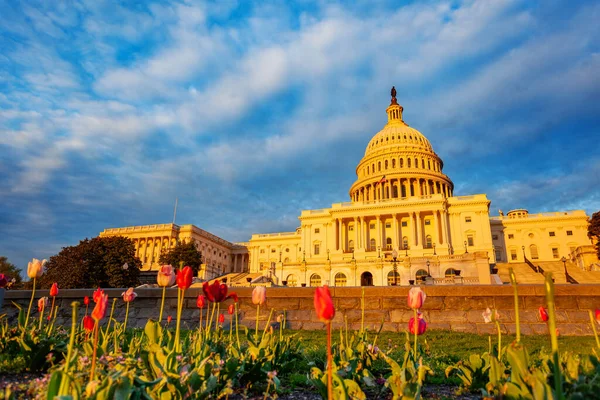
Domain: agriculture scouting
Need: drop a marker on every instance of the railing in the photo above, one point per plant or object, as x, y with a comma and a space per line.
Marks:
142, 228
265, 235
539, 215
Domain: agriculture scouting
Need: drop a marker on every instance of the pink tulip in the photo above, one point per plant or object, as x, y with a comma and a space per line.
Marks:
416, 298
259, 295
421, 325
166, 276
129, 295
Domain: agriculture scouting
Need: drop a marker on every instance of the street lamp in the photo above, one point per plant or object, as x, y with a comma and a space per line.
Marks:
434, 250
378, 251
327, 254
564, 260
466, 250
406, 250
428, 271
395, 267
523, 248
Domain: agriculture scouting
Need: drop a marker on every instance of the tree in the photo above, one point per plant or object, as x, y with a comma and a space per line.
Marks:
594, 231
96, 262
186, 252
11, 271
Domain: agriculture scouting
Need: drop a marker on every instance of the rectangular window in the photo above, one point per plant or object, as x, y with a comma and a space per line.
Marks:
494, 237
351, 228
467, 219
498, 256
513, 255
551, 234
511, 236
317, 248
262, 251
569, 233
554, 252
470, 240
427, 222
372, 226
272, 250
404, 223
388, 224
317, 230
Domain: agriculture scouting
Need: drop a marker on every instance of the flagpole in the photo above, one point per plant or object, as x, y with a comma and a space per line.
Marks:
175, 211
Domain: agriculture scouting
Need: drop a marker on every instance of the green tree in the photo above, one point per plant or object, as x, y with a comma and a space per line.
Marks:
11, 271
186, 252
594, 230
96, 262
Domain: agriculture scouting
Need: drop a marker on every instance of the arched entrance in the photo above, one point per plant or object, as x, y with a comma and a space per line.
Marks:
366, 279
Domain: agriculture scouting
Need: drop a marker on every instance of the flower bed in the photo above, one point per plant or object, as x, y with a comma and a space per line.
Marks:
98, 357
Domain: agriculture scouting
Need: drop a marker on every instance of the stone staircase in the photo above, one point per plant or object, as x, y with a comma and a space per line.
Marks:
523, 273
526, 274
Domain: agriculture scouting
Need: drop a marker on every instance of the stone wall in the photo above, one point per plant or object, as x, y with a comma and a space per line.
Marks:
456, 308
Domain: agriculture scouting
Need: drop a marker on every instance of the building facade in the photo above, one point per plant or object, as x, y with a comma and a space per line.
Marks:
402, 224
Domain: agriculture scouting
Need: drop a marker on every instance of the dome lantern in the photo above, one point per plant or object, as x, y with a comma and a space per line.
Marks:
394, 111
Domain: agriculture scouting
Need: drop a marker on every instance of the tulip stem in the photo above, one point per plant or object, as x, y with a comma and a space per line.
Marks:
256, 331
179, 307
237, 334
416, 330
329, 362
499, 337
93, 370
513, 281
200, 324
126, 317
267, 325
30, 303
162, 305
594, 328
549, 284
230, 327
112, 310
41, 318
64, 385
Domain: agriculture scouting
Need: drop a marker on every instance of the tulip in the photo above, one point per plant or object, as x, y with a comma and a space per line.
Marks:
221, 319
42, 304
416, 298
184, 278
86, 300
97, 314
169, 319
3, 281
88, 323
419, 328
493, 316
543, 314
98, 293
598, 316
35, 269
165, 277
259, 295
217, 292
54, 290
231, 309
326, 311
200, 303
595, 316
128, 296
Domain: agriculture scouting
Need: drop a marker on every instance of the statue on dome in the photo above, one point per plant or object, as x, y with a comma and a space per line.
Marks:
393, 93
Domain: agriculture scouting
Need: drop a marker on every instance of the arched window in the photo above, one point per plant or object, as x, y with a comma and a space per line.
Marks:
428, 164
422, 163
449, 273
287, 260
393, 163
292, 281
405, 242
391, 280
351, 245
372, 245
401, 163
367, 170
340, 279
534, 252
428, 242
416, 162
420, 275
315, 280
409, 163
386, 164
373, 167
378, 165
388, 243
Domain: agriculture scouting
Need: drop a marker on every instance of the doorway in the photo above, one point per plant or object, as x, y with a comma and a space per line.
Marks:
366, 279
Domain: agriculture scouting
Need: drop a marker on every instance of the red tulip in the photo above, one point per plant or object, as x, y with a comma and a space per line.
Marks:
324, 304
597, 315
416, 298
200, 301
97, 295
86, 300
100, 309
231, 309
169, 319
88, 323
543, 314
217, 292
3, 281
184, 277
221, 318
421, 325
54, 290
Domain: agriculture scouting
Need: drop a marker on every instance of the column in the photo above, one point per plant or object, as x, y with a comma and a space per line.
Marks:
444, 227
152, 252
337, 234
378, 240
418, 222
438, 238
381, 192
326, 237
395, 232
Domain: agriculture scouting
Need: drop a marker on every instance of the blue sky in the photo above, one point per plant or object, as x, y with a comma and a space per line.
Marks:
252, 111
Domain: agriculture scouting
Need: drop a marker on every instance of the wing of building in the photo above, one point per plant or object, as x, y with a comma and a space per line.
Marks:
402, 225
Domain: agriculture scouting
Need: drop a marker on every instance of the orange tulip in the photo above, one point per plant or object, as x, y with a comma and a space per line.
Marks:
54, 290
97, 295
42, 303
169, 319
129, 295
100, 309
597, 315
324, 304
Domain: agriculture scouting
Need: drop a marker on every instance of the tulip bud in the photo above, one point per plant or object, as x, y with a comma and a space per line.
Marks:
3, 281
200, 301
231, 309
54, 290
129, 295
543, 314
88, 323
86, 300
221, 318
416, 298
420, 326
169, 319
42, 303
259, 295
280, 318
184, 278
100, 308
598, 316
324, 304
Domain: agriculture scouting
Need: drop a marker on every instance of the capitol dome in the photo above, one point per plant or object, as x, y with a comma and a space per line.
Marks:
399, 162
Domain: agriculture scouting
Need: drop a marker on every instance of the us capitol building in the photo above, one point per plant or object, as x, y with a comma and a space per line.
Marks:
402, 225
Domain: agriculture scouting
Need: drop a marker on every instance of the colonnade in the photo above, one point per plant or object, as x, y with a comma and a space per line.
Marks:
401, 188
148, 249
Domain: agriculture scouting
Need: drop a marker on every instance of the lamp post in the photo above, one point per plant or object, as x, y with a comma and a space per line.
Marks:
279, 255
434, 250
428, 271
378, 251
395, 267
466, 250
327, 254
523, 248
564, 260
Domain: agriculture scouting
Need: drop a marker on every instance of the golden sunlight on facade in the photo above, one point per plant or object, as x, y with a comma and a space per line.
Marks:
402, 225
